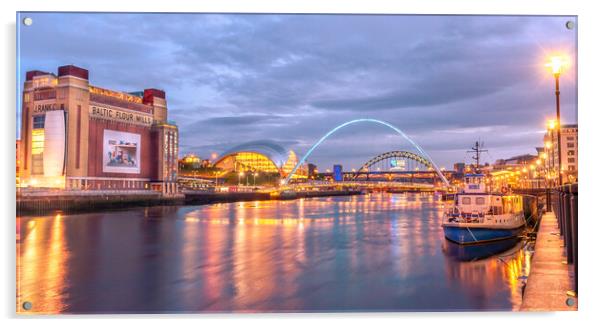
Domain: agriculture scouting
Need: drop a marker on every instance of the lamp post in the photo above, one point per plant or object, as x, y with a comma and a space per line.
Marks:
239, 176
557, 65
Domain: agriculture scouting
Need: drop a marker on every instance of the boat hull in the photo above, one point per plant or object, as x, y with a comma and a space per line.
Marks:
477, 251
473, 235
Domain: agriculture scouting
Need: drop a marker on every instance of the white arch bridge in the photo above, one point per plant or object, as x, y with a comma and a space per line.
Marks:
423, 158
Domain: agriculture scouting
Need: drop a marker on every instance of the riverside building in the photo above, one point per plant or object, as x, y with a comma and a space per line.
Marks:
569, 146
78, 136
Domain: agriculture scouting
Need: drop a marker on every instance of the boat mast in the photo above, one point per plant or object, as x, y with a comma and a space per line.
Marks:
477, 149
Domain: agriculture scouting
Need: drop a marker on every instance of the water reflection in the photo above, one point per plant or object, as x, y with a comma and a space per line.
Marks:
374, 252
476, 266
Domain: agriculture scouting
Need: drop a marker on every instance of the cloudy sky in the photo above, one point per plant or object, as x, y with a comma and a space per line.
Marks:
444, 80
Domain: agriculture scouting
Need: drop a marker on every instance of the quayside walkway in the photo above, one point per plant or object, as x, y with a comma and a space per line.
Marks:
550, 283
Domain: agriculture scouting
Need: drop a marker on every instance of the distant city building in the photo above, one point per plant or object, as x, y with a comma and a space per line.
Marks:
312, 170
569, 155
190, 161
516, 161
261, 156
459, 167
78, 136
525, 171
337, 173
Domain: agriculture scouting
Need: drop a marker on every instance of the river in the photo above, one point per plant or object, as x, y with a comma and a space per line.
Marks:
374, 252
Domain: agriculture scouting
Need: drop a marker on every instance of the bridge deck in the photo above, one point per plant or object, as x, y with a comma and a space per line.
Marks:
550, 277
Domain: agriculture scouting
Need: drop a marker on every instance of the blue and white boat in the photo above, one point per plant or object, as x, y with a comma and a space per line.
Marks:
478, 216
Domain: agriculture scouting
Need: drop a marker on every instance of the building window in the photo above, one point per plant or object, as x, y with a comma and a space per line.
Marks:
78, 119
570, 138
465, 200
571, 152
38, 121
571, 168
571, 160
37, 151
570, 145
480, 200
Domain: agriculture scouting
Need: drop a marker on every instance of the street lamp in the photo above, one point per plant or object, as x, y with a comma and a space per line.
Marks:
254, 176
557, 65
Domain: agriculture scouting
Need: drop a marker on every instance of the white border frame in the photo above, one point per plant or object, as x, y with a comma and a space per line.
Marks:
590, 54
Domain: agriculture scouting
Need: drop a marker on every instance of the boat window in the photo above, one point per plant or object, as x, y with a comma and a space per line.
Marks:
495, 210
480, 200
465, 200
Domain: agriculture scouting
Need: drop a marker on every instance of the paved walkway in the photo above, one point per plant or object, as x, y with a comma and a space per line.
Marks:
550, 277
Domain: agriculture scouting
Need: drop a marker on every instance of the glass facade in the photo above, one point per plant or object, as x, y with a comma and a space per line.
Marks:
253, 161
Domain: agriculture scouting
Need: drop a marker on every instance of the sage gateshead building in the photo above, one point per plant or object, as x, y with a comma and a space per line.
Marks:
82, 137
261, 156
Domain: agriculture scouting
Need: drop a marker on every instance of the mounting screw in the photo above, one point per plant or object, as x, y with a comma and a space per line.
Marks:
570, 302
27, 305
27, 21
570, 24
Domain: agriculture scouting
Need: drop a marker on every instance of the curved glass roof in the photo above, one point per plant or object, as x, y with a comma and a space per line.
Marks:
271, 150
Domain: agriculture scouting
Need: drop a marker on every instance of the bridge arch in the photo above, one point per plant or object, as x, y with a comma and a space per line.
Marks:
366, 120
396, 154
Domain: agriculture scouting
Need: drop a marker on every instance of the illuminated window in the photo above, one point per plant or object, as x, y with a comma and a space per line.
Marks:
37, 141
465, 200
480, 200
254, 161
37, 151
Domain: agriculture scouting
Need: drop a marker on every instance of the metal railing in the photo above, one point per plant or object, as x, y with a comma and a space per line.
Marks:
564, 203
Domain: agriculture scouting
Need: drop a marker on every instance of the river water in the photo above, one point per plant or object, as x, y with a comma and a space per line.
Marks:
375, 252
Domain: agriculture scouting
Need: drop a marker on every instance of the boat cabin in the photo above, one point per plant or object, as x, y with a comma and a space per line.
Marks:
473, 207
474, 183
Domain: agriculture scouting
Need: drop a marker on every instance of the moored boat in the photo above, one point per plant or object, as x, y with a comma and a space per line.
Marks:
478, 216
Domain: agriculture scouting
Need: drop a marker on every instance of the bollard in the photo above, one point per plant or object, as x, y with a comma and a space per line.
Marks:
557, 206
574, 221
568, 235
554, 204
566, 217
559, 214
553, 200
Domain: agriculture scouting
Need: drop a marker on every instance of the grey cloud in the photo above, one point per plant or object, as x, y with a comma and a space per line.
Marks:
291, 78
239, 120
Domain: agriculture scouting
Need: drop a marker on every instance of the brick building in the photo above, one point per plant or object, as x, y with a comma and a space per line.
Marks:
78, 136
